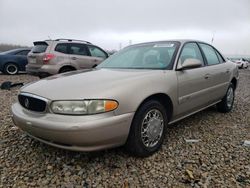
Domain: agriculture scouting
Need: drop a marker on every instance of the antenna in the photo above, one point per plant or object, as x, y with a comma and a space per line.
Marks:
213, 36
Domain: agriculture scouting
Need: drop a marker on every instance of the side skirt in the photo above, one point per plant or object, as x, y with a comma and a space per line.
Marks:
174, 121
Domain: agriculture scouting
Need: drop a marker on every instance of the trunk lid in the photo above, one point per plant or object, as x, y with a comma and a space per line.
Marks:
35, 57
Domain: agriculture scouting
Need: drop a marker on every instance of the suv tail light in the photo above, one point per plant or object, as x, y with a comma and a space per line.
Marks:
48, 57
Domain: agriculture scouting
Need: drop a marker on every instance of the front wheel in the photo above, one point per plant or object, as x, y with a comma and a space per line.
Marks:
226, 105
147, 130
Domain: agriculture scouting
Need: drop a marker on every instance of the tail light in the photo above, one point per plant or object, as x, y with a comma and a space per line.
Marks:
48, 57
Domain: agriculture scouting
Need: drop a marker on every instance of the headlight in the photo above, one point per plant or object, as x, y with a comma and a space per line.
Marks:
82, 107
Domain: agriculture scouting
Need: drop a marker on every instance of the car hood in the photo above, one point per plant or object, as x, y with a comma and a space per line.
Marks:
89, 84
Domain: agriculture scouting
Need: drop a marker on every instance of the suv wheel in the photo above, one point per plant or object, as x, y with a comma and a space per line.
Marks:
11, 69
226, 105
66, 69
147, 129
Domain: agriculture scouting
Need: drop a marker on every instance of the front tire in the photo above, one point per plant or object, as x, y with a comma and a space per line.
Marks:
226, 105
11, 69
147, 129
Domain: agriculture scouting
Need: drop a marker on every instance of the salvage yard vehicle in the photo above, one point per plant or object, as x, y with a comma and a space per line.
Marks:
13, 61
51, 57
242, 63
129, 99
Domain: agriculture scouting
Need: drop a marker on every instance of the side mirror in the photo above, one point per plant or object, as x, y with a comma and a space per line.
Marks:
189, 64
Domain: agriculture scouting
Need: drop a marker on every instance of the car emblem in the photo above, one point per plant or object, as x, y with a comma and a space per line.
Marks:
26, 103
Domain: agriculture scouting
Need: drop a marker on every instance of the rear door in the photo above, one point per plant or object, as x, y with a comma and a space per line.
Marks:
192, 83
219, 72
97, 54
80, 56
62, 57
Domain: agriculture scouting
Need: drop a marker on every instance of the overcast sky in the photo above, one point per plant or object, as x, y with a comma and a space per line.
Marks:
108, 23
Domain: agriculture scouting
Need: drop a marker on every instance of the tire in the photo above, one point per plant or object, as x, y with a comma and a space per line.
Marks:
226, 105
11, 69
140, 131
66, 69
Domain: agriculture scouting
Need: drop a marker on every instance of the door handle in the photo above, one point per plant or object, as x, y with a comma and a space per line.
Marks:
73, 58
227, 71
207, 76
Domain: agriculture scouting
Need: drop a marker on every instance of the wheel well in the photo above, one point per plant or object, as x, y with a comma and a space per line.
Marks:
67, 66
11, 63
234, 82
163, 99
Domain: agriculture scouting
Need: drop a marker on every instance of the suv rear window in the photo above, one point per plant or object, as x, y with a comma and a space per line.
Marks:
39, 47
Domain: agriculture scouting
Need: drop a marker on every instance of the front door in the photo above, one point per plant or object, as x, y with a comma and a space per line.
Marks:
192, 83
97, 54
79, 56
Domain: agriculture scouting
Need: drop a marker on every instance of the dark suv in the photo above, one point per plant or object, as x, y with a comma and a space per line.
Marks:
51, 57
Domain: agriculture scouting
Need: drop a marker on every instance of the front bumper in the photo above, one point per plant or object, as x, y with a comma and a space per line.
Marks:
78, 133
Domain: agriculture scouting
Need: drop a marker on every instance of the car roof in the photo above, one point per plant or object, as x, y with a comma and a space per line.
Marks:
182, 41
66, 40
14, 50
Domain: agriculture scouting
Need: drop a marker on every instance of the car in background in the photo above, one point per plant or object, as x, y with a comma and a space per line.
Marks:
13, 61
129, 99
242, 63
51, 57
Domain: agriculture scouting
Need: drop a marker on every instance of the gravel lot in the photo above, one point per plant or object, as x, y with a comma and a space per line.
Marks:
218, 160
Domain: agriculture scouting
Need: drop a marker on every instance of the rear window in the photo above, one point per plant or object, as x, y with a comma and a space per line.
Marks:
39, 47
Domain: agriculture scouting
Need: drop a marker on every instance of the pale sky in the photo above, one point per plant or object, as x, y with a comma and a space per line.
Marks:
109, 23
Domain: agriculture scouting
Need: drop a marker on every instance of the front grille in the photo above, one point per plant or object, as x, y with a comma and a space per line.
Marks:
32, 103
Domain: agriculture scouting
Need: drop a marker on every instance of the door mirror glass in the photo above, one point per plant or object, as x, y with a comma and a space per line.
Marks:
190, 63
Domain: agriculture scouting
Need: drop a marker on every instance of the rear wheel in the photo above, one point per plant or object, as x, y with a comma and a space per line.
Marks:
66, 69
147, 129
11, 69
226, 105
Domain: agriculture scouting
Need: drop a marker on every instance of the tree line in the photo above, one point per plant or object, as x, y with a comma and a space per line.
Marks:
6, 47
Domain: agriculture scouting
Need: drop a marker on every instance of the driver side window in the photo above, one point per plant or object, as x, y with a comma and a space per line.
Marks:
190, 50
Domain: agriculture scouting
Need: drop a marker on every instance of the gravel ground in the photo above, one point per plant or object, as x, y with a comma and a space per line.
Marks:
218, 160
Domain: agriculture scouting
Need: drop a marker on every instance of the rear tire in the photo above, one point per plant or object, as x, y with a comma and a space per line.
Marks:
226, 105
147, 130
66, 69
11, 69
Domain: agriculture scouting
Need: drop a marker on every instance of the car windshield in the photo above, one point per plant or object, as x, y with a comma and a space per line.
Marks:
145, 56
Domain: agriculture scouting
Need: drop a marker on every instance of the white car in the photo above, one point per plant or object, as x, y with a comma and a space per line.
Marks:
242, 63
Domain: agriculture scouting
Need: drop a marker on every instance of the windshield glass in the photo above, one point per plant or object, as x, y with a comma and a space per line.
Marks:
146, 56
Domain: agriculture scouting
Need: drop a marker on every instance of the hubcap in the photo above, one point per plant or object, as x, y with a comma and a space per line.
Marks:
152, 128
11, 69
230, 97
